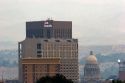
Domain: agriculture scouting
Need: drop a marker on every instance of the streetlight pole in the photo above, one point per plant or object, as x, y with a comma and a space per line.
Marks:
119, 61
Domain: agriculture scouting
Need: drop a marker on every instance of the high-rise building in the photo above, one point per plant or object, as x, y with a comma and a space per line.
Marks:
121, 70
47, 50
49, 29
91, 70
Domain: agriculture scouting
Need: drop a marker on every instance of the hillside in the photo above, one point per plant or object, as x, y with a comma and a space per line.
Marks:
107, 57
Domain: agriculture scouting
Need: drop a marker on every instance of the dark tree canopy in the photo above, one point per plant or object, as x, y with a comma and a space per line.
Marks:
55, 79
117, 81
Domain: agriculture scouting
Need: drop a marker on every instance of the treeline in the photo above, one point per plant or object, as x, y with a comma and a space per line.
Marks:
8, 63
117, 81
8, 58
58, 78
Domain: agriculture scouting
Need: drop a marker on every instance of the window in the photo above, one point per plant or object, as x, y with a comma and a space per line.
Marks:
46, 40
39, 52
39, 55
68, 40
48, 33
57, 40
38, 46
41, 33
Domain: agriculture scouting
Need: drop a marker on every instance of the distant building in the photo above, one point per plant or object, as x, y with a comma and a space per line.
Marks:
1, 81
113, 77
122, 70
47, 50
11, 81
106, 81
91, 70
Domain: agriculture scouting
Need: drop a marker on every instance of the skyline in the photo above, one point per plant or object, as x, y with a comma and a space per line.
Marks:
94, 21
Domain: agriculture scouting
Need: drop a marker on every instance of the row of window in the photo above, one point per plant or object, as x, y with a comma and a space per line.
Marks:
50, 53
39, 46
49, 32
42, 33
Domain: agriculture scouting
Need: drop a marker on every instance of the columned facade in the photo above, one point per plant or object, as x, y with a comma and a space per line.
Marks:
91, 70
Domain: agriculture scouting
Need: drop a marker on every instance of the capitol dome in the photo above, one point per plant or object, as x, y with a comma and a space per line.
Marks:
91, 70
91, 59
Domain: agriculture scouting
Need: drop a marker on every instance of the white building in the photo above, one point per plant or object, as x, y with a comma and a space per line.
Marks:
91, 70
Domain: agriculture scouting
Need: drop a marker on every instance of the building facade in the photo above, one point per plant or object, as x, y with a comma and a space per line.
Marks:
12, 81
91, 70
122, 70
1, 81
49, 29
48, 52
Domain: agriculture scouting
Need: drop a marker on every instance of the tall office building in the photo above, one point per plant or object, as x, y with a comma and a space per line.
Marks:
47, 50
49, 29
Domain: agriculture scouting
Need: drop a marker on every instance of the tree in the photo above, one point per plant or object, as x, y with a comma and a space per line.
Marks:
58, 78
117, 81
61, 79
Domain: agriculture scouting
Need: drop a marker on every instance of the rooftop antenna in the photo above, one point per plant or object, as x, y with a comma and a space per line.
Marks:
91, 52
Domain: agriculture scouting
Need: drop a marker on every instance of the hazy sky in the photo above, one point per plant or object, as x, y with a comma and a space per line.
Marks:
95, 22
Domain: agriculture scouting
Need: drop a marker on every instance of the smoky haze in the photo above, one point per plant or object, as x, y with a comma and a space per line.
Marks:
95, 22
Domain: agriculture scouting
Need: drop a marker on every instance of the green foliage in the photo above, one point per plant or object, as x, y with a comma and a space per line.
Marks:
55, 79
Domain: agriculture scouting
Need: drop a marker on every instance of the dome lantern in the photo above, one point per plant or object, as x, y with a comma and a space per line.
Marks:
91, 59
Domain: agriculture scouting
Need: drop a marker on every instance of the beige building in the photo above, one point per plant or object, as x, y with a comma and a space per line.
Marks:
33, 69
39, 57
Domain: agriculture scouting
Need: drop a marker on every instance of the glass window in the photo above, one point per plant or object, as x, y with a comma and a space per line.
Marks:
38, 46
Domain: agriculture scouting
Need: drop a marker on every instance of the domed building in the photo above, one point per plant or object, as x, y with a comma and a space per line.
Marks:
91, 70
